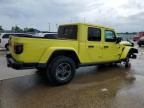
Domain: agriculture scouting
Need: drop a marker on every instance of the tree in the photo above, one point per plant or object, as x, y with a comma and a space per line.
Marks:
1, 29
30, 30
16, 29
127, 33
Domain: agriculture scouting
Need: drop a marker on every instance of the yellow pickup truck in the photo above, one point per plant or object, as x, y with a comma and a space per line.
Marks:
75, 45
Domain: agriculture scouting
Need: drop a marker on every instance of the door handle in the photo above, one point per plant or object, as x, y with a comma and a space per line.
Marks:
91, 46
106, 46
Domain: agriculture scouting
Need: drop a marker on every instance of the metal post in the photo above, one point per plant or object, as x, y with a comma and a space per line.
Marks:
49, 26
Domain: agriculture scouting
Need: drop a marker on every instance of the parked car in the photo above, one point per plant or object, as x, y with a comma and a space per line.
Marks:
76, 45
4, 37
141, 42
51, 35
138, 36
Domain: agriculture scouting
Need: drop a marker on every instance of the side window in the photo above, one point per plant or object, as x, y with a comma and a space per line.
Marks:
94, 34
6, 35
110, 36
23, 35
50, 36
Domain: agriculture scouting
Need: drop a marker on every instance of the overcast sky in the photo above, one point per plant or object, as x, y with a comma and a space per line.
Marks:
123, 15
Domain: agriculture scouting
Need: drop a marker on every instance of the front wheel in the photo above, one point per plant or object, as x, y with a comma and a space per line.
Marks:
127, 62
61, 70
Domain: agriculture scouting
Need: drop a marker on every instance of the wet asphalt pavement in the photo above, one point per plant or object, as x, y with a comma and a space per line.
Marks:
92, 87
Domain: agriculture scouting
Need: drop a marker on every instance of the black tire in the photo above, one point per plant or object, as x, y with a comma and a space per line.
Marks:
127, 63
67, 71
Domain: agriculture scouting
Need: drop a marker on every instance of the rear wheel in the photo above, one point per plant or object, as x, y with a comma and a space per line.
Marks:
61, 70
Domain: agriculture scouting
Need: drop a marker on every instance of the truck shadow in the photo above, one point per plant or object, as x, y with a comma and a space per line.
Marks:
88, 75
88, 82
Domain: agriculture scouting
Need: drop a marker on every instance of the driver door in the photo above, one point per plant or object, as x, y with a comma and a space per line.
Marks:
110, 47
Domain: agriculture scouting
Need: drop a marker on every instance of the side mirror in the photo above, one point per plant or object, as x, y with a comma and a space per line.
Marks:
118, 39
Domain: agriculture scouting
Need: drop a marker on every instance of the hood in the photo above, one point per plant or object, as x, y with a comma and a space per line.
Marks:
126, 43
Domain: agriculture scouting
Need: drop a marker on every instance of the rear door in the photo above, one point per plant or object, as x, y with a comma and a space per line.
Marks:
93, 44
110, 48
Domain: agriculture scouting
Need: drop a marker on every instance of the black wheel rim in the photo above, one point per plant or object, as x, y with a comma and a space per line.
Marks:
63, 71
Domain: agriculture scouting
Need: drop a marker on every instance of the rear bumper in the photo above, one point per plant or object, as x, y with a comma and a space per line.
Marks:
11, 62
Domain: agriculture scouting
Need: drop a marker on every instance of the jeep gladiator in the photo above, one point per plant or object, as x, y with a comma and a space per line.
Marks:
75, 45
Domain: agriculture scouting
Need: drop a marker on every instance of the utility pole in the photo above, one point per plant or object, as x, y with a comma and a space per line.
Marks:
49, 26
56, 26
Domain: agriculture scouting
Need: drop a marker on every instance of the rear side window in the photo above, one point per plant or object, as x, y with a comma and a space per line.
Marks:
94, 34
68, 32
110, 36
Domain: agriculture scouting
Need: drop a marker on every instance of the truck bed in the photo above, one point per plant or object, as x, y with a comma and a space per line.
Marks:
35, 49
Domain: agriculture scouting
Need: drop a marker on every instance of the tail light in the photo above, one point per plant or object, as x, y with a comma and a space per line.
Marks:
18, 48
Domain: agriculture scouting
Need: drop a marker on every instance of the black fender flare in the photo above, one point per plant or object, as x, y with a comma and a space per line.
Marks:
132, 53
